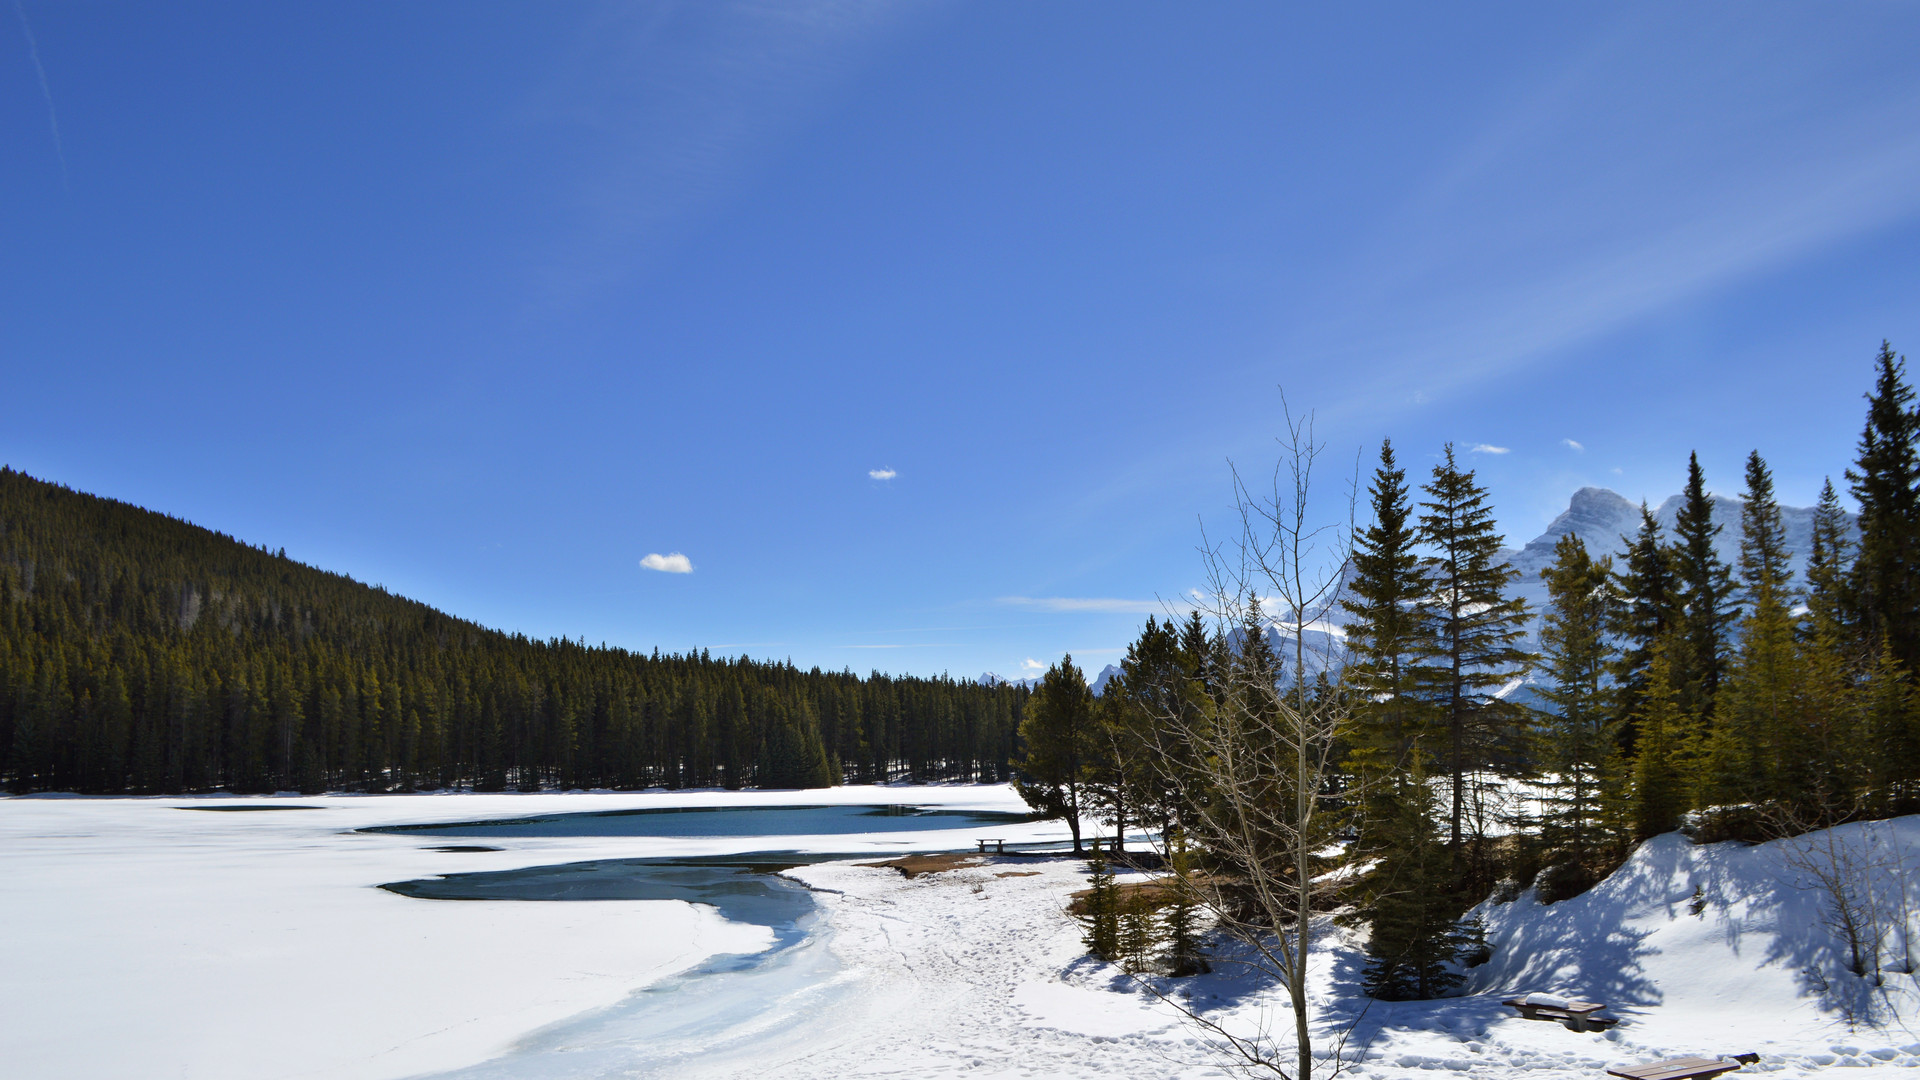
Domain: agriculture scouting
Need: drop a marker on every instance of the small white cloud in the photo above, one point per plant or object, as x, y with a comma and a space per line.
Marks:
882, 474
675, 563
1030, 664
1574, 445
1483, 448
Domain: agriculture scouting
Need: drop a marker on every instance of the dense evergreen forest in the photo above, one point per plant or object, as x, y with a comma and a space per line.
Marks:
139, 653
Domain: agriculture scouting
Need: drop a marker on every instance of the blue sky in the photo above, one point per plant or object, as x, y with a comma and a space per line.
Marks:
489, 302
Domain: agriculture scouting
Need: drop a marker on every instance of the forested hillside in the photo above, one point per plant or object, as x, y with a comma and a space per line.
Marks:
139, 653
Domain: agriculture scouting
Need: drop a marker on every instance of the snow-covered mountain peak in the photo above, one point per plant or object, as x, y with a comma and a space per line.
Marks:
1597, 516
1605, 521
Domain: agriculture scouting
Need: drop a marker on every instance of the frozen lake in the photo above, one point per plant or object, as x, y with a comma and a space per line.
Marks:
148, 939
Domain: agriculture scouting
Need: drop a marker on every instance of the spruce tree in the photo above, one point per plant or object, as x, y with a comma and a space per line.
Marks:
1706, 593
1387, 638
1582, 729
1665, 754
1139, 934
1649, 611
1889, 733
1119, 775
1886, 484
1473, 631
1161, 684
1181, 920
1412, 905
1829, 564
1101, 913
1058, 731
1755, 749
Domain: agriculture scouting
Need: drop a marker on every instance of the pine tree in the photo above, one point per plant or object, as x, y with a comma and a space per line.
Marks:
1649, 611
1163, 677
1139, 934
1886, 485
1058, 732
1117, 777
1706, 598
1829, 564
1828, 768
1387, 638
1583, 728
1412, 904
1101, 913
1889, 734
1665, 754
1181, 923
1755, 749
1473, 630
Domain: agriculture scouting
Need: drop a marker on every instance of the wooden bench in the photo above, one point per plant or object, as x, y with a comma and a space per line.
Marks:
1686, 1068
999, 846
1574, 1015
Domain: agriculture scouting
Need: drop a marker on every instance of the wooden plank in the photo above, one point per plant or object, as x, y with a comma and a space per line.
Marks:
1571, 1006
1686, 1068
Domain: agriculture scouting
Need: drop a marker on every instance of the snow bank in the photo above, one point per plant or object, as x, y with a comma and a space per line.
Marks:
1728, 948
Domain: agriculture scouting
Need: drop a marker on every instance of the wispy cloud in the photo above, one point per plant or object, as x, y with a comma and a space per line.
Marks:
1095, 604
1574, 445
882, 474
46, 90
1484, 448
675, 563
1032, 665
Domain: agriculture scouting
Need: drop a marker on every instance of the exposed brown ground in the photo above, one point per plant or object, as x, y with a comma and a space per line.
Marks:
915, 865
1152, 894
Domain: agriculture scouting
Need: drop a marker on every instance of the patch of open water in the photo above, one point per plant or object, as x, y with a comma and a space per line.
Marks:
742, 888
714, 821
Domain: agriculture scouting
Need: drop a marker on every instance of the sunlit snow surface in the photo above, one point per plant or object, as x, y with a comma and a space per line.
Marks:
146, 940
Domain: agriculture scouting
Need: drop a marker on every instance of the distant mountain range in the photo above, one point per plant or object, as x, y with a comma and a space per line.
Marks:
1604, 521
1099, 683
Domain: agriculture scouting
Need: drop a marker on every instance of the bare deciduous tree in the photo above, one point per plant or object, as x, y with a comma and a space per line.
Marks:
1249, 763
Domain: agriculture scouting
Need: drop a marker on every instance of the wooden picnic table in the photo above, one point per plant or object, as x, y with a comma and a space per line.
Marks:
1685, 1068
1573, 1015
999, 846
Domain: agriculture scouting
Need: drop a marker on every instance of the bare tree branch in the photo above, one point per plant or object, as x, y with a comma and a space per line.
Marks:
1249, 757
